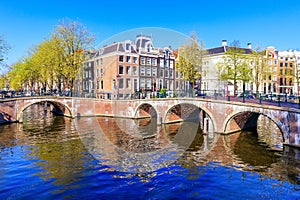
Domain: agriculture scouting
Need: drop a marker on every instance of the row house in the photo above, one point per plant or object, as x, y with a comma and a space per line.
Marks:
278, 73
269, 71
116, 70
211, 81
125, 69
281, 71
288, 71
157, 65
84, 85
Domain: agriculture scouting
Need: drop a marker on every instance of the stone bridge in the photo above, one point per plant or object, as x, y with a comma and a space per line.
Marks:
213, 115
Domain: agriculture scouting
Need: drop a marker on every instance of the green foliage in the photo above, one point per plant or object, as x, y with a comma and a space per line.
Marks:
55, 61
190, 59
235, 66
74, 39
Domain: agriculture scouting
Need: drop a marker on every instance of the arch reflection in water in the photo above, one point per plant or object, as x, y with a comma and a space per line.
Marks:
269, 133
137, 145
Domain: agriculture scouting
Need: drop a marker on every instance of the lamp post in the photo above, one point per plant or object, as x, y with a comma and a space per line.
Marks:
114, 85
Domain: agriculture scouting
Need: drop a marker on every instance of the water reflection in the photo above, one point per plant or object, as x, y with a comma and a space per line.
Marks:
71, 153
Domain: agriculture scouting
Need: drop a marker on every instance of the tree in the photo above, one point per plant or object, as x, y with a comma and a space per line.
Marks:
4, 48
258, 66
235, 66
190, 58
73, 40
297, 74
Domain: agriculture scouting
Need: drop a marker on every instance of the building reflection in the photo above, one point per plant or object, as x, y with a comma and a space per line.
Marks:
59, 146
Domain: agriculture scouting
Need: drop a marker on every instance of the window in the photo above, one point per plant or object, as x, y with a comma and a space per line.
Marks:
171, 85
142, 83
134, 70
121, 69
142, 71
167, 84
121, 83
97, 72
166, 63
142, 61
121, 58
154, 71
148, 84
127, 70
161, 62
97, 62
154, 62
171, 64
281, 64
161, 74
167, 73
177, 74
127, 83
101, 61
148, 61
177, 85
101, 71
127, 46
102, 84
171, 73
134, 60
148, 71
128, 59
135, 85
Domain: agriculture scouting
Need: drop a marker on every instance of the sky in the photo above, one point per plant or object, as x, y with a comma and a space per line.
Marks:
263, 23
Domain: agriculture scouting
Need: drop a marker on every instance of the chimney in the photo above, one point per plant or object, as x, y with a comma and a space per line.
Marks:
224, 42
249, 45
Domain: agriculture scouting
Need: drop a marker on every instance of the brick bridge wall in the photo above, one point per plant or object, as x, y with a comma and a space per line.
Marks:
224, 117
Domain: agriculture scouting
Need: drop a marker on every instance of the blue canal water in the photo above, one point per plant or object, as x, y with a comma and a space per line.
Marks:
52, 157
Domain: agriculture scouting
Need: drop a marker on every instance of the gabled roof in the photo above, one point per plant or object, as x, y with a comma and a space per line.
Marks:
110, 49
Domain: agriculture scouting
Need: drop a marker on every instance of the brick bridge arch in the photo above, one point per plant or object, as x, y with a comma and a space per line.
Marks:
57, 107
175, 113
248, 119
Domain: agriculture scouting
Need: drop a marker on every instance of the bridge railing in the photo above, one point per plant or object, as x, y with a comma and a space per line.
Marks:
260, 98
276, 99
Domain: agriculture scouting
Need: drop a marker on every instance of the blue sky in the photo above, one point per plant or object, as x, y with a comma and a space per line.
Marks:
261, 22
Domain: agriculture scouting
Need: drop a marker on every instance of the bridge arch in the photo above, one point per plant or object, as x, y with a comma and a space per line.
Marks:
144, 110
58, 108
247, 119
203, 111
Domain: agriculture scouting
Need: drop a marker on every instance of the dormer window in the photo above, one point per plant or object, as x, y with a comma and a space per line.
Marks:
148, 48
127, 46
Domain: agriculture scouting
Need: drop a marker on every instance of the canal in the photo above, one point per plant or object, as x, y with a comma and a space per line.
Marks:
53, 157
